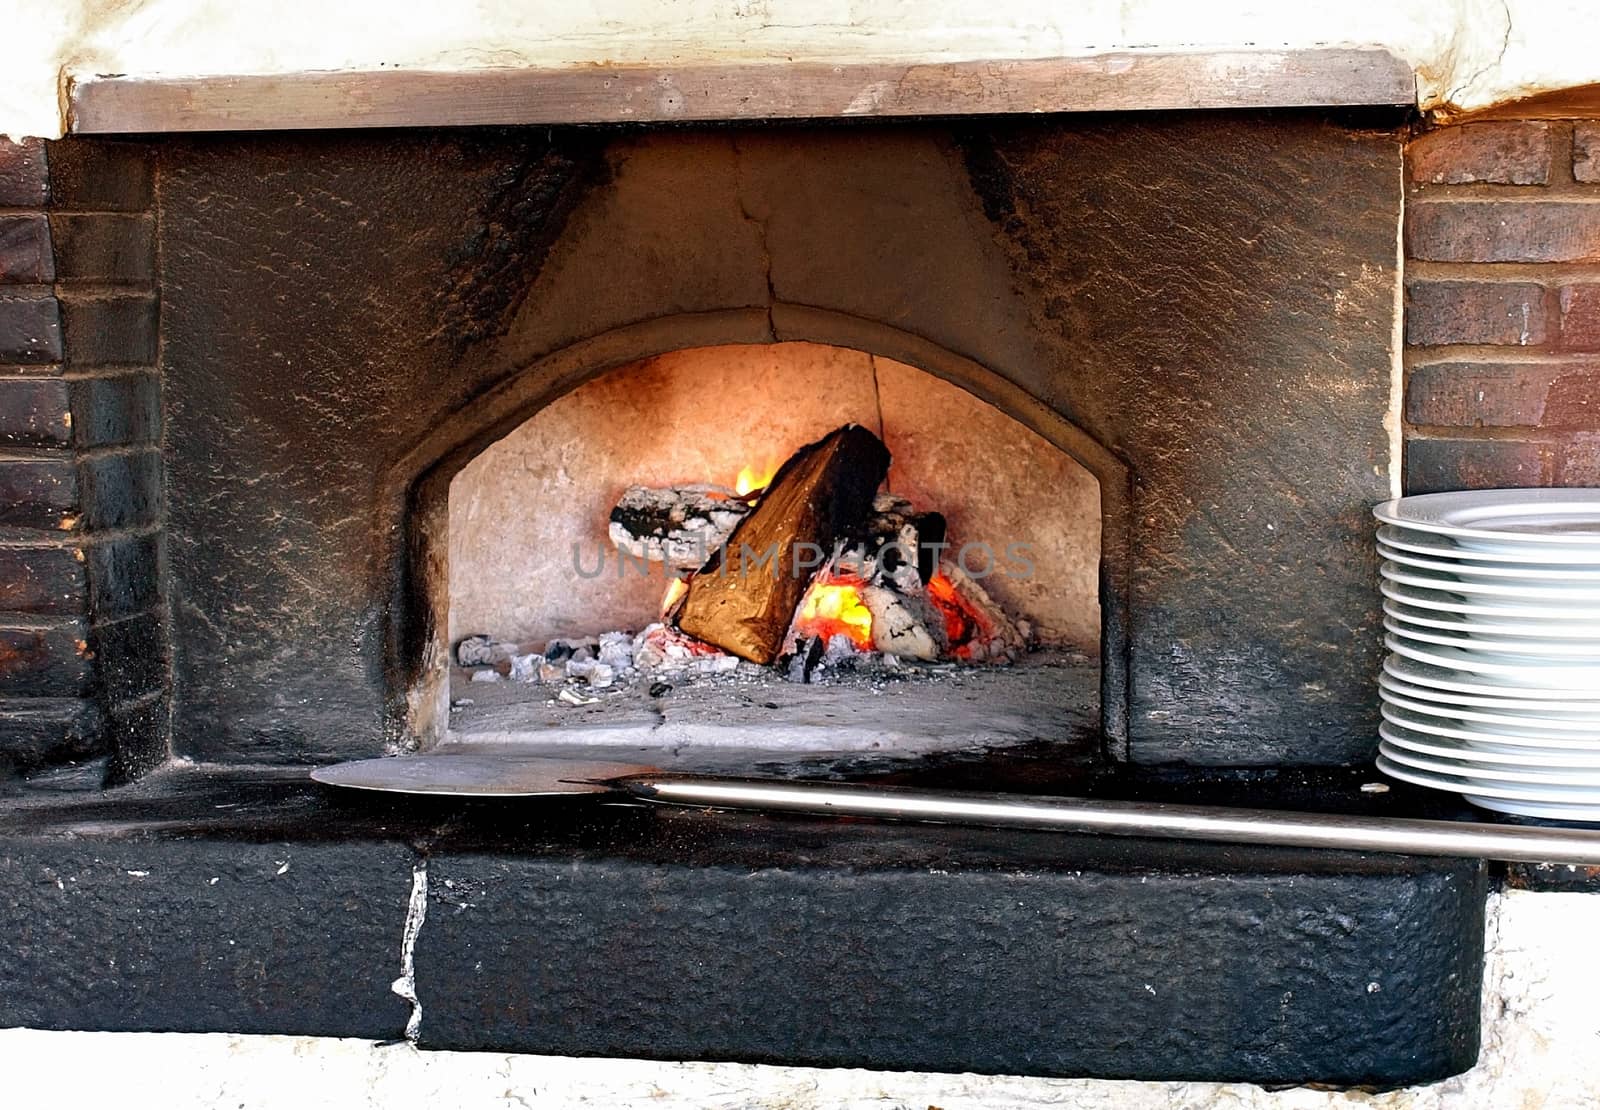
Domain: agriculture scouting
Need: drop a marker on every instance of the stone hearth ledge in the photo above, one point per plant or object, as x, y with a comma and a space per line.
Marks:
252, 901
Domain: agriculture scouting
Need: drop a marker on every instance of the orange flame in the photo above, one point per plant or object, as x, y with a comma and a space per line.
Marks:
834, 607
676, 588
751, 479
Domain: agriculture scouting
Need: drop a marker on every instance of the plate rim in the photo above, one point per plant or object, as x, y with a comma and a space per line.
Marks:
1423, 763
1489, 690
1419, 778
1536, 556
1389, 512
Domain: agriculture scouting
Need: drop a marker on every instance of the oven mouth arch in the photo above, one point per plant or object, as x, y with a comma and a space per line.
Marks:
416, 495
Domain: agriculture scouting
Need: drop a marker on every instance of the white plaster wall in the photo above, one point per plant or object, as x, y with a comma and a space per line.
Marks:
1467, 53
1542, 1028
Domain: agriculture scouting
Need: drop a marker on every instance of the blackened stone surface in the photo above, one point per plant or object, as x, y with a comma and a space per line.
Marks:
39, 731
166, 934
1208, 296
315, 289
1229, 284
619, 930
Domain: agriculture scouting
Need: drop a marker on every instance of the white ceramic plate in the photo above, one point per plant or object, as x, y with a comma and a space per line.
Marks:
1535, 678
1549, 594
1477, 732
1560, 778
1416, 680
1442, 547
1562, 574
1573, 800
1514, 517
1570, 651
1423, 672
1490, 756
1400, 695
1493, 626
1431, 597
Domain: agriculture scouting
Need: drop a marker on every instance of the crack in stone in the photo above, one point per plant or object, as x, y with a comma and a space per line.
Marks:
416, 913
1505, 44
761, 232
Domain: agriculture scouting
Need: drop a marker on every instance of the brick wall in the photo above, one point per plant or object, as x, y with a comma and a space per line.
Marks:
1503, 306
83, 659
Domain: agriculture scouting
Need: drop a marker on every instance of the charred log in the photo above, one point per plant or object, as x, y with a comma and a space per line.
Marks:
744, 599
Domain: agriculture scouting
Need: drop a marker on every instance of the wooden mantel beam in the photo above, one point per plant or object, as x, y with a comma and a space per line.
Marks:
1128, 81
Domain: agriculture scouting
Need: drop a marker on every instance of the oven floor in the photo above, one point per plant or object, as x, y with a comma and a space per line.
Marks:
757, 720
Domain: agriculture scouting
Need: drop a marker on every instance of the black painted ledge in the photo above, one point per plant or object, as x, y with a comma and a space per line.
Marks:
253, 901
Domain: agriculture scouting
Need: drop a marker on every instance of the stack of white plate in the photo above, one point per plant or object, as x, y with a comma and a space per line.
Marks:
1491, 688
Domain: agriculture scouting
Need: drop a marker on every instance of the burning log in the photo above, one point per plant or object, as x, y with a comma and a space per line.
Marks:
744, 600
679, 525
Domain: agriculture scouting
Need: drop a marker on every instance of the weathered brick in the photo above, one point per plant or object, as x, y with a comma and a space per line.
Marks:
1504, 395
1586, 152
104, 246
43, 580
1514, 152
25, 249
1579, 463
49, 661
130, 657
1436, 465
100, 175
138, 737
122, 575
121, 489
1580, 316
34, 411
120, 410
1532, 230
109, 329
1508, 313
30, 329
23, 178
36, 732
39, 492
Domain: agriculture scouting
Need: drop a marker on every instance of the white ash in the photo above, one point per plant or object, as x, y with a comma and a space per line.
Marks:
679, 526
480, 651
486, 675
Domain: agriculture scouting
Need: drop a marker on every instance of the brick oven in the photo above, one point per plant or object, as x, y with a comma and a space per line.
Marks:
288, 413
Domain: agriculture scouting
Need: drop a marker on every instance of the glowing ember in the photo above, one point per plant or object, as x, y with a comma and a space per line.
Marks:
752, 479
832, 608
963, 622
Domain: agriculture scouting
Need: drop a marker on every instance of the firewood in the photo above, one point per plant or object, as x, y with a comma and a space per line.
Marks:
744, 598
679, 525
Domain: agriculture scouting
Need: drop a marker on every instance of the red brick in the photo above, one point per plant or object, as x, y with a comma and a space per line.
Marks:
1508, 153
1580, 461
1580, 317
1504, 313
30, 329
1533, 230
23, 179
35, 411
1586, 152
25, 249
1504, 395
39, 492
43, 580
1436, 465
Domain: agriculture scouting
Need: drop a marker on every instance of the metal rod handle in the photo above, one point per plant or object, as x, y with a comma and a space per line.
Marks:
1219, 824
